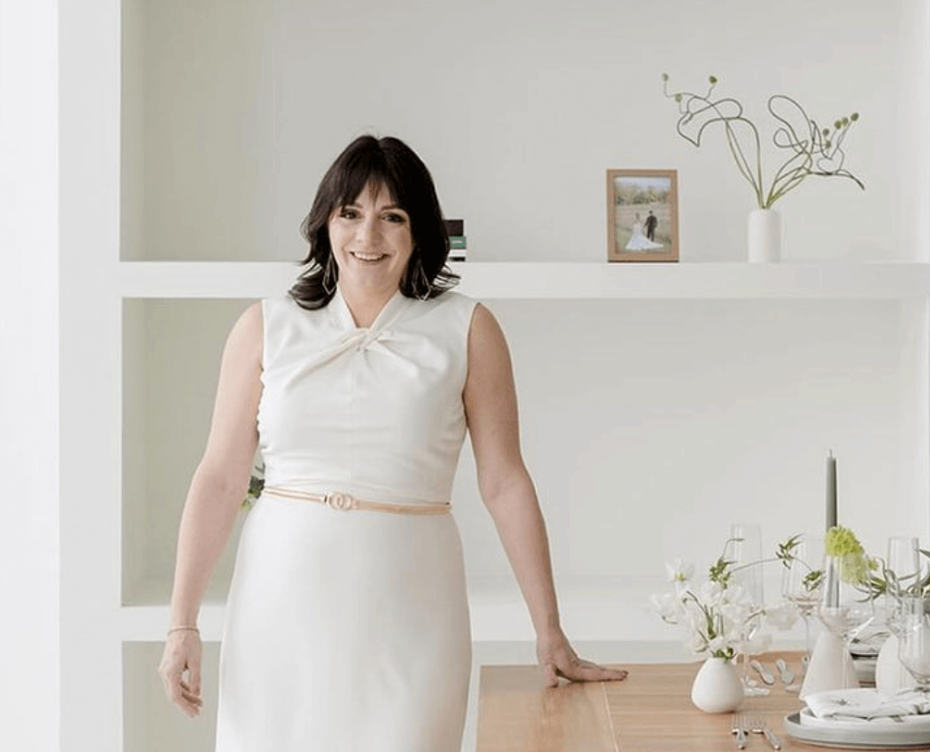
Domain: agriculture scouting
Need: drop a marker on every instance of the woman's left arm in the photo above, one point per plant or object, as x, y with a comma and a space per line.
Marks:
508, 493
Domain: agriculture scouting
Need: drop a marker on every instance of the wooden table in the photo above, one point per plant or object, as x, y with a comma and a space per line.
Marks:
649, 711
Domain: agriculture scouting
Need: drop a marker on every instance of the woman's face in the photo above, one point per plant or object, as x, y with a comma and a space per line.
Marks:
371, 241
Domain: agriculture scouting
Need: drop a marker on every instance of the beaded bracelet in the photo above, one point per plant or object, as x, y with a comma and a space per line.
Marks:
181, 629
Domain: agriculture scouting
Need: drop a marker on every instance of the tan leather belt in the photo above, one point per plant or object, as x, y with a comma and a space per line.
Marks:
344, 502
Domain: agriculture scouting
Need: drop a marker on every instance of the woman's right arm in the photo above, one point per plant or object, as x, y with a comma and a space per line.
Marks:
217, 490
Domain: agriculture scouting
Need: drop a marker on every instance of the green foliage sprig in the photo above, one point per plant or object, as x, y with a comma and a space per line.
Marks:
256, 485
785, 554
813, 150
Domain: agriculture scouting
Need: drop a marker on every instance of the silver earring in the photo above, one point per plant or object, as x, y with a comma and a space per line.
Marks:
329, 277
421, 281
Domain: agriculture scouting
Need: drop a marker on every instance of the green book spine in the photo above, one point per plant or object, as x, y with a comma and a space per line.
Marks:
457, 241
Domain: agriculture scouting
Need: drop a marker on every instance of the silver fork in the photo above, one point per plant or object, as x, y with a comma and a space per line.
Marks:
739, 728
758, 725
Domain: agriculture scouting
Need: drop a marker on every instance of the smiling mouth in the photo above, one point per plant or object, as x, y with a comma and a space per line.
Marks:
369, 258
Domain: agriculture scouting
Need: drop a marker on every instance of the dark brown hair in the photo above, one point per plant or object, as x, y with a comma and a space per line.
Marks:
388, 163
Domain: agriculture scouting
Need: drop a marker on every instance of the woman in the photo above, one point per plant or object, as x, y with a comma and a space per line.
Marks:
638, 241
347, 619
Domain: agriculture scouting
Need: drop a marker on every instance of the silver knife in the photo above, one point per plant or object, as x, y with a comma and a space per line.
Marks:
770, 735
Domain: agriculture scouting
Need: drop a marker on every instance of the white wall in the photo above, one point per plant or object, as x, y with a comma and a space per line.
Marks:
648, 436
518, 109
648, 426
90, 387
29, 408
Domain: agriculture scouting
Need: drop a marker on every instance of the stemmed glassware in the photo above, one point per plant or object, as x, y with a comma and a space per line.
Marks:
902, 573
744, 547
846, 604
914, 639
801, 582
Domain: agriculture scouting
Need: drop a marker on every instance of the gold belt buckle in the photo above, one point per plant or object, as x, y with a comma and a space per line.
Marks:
342, 502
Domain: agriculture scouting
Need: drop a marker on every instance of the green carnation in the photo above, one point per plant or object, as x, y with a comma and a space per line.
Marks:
841, 541
854, 564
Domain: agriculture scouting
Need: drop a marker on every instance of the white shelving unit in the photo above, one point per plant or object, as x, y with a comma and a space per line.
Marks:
579, 281
906, 282
108, 690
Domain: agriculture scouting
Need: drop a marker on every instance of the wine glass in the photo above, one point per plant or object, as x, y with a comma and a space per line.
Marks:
914, 640
801, 582
902, 573
846, 603
744, 550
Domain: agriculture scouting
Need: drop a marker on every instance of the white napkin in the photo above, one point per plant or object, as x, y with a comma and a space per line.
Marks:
867, 703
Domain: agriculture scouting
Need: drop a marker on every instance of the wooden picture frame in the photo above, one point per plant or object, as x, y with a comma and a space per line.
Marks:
633, 196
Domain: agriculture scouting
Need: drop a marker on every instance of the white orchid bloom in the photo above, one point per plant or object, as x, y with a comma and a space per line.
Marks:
710, 593
736, 612
695, 642
719, 644
680, 572
781, 616
758, 643
667, 606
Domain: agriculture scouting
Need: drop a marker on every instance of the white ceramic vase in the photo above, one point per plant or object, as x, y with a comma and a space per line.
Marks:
717, 688
826, 668
764, 237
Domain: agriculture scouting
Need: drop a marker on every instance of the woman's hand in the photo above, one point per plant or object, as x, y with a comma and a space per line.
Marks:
558, 658
183, 652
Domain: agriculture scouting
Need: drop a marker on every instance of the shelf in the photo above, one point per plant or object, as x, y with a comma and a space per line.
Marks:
593, 608
518, 280
149, 623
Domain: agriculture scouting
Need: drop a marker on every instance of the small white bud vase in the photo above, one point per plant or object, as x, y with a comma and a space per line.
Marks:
764, 237
825, 670
717, 688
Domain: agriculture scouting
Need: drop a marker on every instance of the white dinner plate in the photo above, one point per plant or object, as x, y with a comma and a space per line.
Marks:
807, 718
868, 646
860, 736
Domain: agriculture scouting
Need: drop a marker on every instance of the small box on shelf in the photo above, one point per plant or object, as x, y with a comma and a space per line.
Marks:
455, 228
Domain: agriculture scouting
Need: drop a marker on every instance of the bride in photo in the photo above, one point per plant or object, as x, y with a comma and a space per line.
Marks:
639, 242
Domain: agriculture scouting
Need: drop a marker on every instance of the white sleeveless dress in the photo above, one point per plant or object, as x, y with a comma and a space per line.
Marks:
348, 631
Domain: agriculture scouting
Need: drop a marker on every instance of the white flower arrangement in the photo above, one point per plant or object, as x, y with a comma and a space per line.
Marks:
715, 614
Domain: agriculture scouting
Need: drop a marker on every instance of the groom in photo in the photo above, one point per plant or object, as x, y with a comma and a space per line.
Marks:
651, 223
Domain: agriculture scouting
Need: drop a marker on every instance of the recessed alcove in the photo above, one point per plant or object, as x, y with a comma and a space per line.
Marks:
171, 360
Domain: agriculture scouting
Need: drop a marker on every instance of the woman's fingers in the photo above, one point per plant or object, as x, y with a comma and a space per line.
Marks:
550, 675
564, 662
181, 694
181, 657
593, 672
191, 694
193, 666
189, 702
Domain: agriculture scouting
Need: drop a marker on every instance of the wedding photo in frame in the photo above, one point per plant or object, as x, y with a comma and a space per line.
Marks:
642, 215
